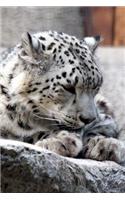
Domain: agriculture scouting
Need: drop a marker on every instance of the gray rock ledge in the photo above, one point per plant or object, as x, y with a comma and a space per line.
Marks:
25, 168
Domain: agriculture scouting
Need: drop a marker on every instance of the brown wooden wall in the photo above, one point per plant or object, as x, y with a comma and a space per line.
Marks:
109, 22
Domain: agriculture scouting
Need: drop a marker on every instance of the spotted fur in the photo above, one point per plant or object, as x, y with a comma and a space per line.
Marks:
48, 83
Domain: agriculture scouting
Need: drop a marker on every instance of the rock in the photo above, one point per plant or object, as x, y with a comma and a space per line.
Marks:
26, 168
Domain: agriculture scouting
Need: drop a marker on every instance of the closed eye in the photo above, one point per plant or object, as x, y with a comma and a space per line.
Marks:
69, 89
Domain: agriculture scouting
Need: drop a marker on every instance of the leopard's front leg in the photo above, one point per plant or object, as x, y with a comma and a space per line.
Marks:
64, 143
102, 148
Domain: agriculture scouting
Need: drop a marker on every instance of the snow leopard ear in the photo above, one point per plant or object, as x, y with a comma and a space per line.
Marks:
93, 42
30, 44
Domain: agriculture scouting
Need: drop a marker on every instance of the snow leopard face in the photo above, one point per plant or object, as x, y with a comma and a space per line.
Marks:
52, 79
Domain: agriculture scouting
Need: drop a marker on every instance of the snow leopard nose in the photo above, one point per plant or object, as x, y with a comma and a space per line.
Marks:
86, 120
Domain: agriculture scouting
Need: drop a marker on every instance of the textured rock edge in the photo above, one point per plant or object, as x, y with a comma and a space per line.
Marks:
26, 168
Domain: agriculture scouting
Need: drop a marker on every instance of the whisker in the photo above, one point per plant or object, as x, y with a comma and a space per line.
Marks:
42, 108
47, 118
59, 125
63, 115
62, 125
56, 124
44, 115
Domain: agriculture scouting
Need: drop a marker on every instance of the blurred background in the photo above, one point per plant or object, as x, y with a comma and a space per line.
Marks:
80, 21
109, 22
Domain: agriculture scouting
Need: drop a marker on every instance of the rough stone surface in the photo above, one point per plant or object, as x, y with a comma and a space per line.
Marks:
25, 168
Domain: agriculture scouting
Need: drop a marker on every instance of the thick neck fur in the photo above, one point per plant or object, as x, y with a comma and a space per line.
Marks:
15, 82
